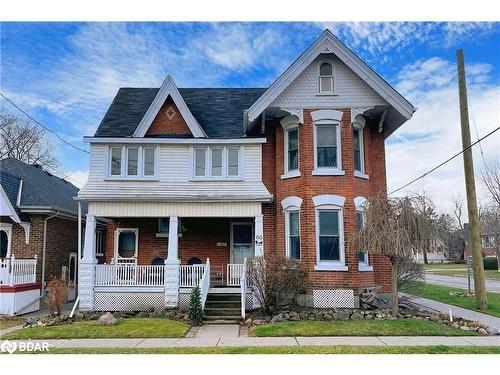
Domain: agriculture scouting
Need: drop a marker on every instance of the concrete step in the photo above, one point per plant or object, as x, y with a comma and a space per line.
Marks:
223, 297
220, 304
224, 311
223, 321
213, 318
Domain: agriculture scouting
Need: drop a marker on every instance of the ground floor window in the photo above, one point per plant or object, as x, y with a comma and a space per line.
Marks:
293, 234
329, 235
362, 255
4, 244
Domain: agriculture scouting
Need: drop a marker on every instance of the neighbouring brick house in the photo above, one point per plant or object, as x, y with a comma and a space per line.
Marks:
193, 181
38, 226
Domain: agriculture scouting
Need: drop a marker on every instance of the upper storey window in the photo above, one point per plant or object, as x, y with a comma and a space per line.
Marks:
325, 79
132, 162
327, 142
217, 162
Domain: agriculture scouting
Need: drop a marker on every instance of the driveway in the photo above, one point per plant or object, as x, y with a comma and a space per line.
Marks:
460, 282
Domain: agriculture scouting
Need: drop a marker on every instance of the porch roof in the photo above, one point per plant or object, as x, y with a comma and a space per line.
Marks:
178, 192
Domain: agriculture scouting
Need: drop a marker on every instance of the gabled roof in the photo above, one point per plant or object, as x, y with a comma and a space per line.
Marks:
39, 188
329, 43
168, 88
219, 111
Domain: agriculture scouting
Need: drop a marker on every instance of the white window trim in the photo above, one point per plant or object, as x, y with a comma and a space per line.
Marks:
117, 236
161, 234
328, 117
124, 164
360, 204
326, 93
7, 228
288, 123
225, 163
359, 125
287, 231
330, 203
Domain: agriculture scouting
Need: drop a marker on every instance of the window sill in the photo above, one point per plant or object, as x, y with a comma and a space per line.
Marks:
290, 175
361, 175
119, 178
205, 179
327, 94
330, 267
165, 235
364, 268
328, 172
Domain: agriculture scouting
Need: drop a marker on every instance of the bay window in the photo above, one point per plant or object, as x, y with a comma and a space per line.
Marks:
132, 162
293, 234
290, 125
327, 146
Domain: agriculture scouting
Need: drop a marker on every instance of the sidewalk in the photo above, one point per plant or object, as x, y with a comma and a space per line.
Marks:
455, 310
274, 341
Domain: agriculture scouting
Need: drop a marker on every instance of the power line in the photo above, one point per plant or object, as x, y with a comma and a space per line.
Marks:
43, 126
444, 162
64, 176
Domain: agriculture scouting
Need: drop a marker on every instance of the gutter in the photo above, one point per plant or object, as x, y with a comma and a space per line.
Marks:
44, 248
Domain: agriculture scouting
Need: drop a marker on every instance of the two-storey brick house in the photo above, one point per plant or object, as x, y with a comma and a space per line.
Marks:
195, 180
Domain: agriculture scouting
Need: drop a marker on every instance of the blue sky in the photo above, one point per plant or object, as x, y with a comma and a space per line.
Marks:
66, 74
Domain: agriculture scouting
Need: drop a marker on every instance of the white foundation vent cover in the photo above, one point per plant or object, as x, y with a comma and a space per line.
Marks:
342, 298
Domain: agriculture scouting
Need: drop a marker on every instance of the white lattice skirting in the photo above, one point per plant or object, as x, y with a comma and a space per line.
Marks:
128, 301
341, 298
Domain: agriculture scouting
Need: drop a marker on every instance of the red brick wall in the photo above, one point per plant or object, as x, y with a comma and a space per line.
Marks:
61, 240
163, 125
307, 186
198, 240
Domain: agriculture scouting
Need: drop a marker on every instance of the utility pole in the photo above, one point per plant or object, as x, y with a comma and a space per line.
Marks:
470, 187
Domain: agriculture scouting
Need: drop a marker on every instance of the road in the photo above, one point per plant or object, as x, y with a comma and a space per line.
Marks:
460, 282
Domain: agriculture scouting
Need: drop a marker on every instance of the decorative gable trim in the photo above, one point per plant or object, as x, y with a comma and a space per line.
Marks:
168, 88
329, 43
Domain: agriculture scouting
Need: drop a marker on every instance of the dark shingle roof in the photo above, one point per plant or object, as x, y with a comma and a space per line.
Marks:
40, 188
218, 110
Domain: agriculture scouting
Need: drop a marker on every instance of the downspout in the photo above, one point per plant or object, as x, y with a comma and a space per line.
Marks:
79, 251
44, 248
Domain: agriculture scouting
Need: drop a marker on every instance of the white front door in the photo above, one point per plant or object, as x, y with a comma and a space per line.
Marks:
241, 242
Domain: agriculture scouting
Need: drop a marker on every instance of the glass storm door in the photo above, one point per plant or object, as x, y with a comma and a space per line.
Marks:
242, 240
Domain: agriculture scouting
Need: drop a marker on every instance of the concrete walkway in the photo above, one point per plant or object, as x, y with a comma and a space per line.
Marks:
227, 341
457, 311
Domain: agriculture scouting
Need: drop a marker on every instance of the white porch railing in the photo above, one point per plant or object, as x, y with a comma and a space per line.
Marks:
205, 283
129, 275
243, 287
234, 273
190, 276
17, 271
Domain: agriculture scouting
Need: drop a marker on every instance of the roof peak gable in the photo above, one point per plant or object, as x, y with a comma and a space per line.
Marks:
327, 42
168, 88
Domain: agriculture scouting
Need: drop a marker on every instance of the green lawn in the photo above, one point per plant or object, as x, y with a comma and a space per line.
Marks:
7, 323
442, 294
432, 266
125, 328
398, 327
438, 349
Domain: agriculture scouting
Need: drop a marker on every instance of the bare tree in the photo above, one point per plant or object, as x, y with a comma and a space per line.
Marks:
398, 228
490, 175
25, 141
458, 210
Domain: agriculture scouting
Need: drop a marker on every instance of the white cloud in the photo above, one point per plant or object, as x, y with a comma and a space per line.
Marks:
78, 178
434, 134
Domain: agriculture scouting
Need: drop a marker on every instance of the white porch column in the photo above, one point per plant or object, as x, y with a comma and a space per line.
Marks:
259, 236
87, 266
172, 265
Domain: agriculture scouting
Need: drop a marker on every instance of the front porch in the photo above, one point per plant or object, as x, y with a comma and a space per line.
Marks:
155, 262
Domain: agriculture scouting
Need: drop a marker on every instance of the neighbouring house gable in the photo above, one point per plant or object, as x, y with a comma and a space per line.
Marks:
169, 121
169, 90
350, 91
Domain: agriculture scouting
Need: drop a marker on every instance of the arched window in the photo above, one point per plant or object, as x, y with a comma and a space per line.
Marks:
325, 80
291, 206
